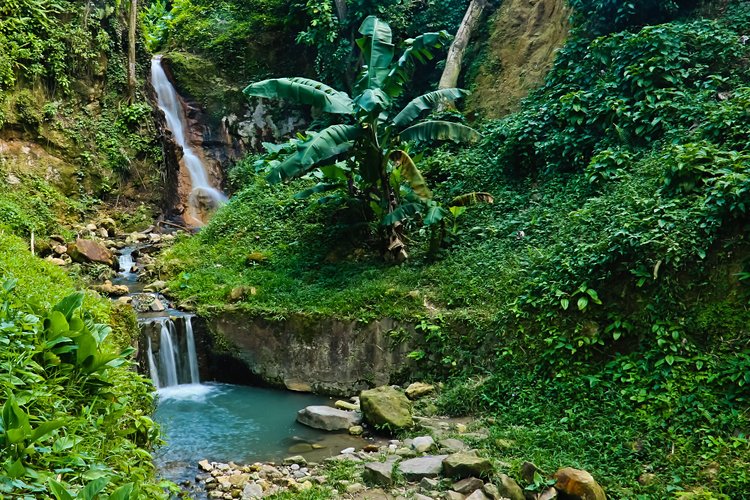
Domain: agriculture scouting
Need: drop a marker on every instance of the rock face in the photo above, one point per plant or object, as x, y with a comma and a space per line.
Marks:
386, 407
417, 468
85, 251
464, 464
524, 38
578, 484
327, 418
323, 355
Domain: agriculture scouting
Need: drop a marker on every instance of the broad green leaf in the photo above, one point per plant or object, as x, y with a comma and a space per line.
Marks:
565, 303
372, 100
122, 493
426, 102
93, 488
582, 303
59, 490
69, 305
15, 469
402, 212
303, 91
325, 145
436, 130
419, 50
411, 173
86, 348
434, 214
45, 428
378, 51
57, 324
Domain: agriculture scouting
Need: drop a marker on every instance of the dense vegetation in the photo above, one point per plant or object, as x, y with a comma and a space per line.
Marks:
75, 417
597, 311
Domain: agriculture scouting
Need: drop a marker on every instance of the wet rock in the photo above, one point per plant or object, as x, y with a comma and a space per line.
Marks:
252, 490
300, 448
417, 468
507, 487
108, 288
84, 251
156, 286
466, 464
327, 418
418, 390
451, 445
385, 407
528, 470
477, 495
356, 430
423, 443
296, 459
548, 494
453, 495
345, 405
378, 473
578, 484
205, 466
468, 485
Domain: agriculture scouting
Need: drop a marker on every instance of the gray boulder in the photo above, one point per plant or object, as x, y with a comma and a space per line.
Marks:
416, 468
385, 407
327, 418
466, 464
379, 473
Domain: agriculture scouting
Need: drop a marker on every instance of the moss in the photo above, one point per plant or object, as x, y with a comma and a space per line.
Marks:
200, 80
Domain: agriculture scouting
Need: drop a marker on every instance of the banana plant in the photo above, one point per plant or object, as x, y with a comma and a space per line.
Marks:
365, 153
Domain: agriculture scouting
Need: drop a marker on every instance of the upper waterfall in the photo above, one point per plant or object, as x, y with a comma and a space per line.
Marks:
204, 197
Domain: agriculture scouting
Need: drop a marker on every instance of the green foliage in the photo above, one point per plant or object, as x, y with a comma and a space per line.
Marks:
366, 159
74, 422
606, 16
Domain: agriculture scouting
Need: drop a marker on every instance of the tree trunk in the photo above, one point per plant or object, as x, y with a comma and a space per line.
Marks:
133, 22
460, 42
341, 10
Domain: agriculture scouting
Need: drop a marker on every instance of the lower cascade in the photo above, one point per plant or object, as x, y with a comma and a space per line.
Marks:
172, 359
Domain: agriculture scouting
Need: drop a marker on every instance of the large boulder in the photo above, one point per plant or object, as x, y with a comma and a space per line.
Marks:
578, 484
379, 473
85, 251
466, 464
508, 488
327, 418
417, 468
385, 407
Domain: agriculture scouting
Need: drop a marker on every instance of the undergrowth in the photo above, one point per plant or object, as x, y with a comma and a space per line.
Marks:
598, 310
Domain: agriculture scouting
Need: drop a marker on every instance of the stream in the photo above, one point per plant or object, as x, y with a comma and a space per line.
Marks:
212, 420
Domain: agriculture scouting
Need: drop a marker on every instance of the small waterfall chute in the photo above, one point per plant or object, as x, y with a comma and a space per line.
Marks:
175, 362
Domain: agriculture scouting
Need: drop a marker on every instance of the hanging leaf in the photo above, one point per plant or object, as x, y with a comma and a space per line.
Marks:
474, 198
426, 102
303, 91
437, 130
411, 173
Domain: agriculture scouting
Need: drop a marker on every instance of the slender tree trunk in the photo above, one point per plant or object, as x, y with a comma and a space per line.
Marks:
460, 42
133, 22
341, 10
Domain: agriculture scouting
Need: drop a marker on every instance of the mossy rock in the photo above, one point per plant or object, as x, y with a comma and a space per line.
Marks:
386, 408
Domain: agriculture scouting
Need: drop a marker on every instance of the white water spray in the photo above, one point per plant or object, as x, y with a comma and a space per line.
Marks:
204, 196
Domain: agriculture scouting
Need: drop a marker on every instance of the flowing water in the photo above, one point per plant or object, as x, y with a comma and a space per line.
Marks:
204, 197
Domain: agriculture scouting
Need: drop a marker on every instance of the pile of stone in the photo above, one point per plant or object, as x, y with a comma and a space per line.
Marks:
258, 480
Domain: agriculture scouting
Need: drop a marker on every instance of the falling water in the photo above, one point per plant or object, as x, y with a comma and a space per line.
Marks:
167, 355
192, 357
126, 262
153, 371
175, 362
204, 196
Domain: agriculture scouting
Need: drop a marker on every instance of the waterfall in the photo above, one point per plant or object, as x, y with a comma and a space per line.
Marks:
125, 262
153, 371
176, 361
204, 197
192, 356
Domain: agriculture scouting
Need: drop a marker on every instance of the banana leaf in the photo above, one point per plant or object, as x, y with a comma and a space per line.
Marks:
303, 91
436, 130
